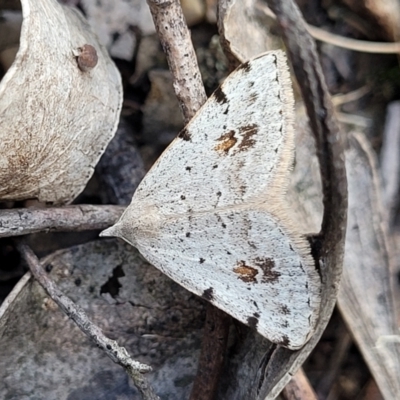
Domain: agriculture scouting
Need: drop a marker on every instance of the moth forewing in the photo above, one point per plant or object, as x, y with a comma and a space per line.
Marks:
211, 212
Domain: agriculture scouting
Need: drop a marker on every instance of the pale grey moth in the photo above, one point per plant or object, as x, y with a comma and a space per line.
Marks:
211, 213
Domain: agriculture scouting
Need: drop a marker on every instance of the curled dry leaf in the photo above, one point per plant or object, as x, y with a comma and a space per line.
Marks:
55, 119
365, 295
245, 31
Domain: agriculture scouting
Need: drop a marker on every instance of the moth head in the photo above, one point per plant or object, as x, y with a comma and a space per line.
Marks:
134, 224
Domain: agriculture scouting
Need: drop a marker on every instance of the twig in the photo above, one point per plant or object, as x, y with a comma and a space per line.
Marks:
354, 95
23, 221
175, 39
211, 358
363, 46
299, 388
330, 376
118, 354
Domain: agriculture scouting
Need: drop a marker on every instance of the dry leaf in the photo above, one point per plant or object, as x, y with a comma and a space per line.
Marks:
365, 295
55, 119
245, 31
44, 355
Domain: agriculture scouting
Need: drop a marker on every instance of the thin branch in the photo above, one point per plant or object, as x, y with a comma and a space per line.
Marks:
117, 354
23, 221
212, 354
299, 388
363, 46
339, 352
175, 39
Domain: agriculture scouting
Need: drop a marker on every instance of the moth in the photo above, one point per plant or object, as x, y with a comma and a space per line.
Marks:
211, 213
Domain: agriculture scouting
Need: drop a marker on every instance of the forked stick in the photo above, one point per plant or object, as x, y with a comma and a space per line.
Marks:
118, 354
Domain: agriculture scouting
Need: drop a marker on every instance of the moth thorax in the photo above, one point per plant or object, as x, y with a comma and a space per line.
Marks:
148, 221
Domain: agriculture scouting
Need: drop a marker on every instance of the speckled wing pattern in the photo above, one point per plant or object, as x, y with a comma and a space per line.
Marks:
211, 213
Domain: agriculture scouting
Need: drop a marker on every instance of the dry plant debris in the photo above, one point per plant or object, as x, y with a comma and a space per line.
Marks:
158, 322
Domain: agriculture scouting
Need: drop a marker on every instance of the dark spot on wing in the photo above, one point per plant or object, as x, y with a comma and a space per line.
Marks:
201, 260
248, 141
284, 309
219, 194
184, 134
253, 97
245, 67
220, 96
208, 294
301, 267
188, 169
252, 244
253, 321
285, 341
215, 166
183, 197
223, 225
228, 140
267, 266
187, 234
245, 273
